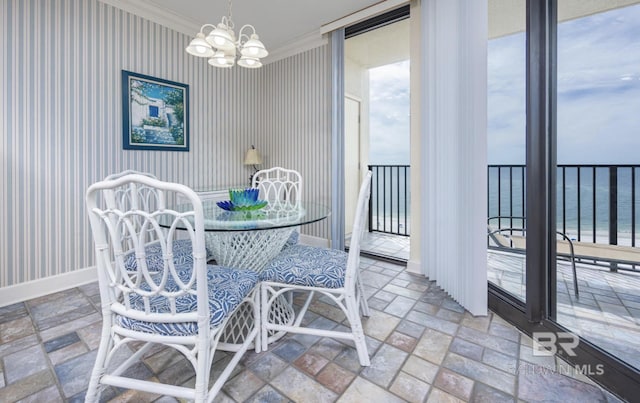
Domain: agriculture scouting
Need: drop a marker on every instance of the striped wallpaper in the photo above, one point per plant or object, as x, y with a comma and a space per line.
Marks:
297, 133
60, 120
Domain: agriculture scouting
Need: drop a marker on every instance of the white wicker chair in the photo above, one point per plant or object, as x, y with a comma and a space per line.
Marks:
181, 245
283, 189
122, 198
280, 186
177, 301
330, 272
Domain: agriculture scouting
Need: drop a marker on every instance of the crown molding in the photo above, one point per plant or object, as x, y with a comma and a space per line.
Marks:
152, 12
309, 41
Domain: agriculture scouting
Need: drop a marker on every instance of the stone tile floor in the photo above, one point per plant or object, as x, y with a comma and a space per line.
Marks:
607, 312
423, 347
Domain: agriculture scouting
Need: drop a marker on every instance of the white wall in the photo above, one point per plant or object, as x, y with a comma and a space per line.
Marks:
61, 130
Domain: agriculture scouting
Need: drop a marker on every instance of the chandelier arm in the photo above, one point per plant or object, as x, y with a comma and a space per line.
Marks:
241, 34
207, 26
227, 22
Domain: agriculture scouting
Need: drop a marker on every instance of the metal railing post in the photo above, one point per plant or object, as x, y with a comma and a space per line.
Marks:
613, 211
370, 202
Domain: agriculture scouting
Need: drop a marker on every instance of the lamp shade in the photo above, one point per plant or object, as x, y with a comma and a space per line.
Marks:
249, 62
221, 38
252, 157
200, 47
254, 48
222, 59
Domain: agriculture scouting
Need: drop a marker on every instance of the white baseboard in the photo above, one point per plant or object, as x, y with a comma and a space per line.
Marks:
413, 266
37, 288
314, 241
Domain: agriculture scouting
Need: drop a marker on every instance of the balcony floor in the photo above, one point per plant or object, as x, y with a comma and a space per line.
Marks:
385, 245
607, 312
423, 347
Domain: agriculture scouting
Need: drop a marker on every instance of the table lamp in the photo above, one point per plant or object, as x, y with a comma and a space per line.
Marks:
252, 157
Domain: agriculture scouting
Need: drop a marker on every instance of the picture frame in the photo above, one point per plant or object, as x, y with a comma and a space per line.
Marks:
155, 113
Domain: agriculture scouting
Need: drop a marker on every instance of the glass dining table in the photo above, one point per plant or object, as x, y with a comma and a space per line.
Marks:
249, 240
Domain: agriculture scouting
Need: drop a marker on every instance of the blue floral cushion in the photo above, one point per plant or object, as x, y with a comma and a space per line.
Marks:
308, 266
292, 240
182, 254
227, 288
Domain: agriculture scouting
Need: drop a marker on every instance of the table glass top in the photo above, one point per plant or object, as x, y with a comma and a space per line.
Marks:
217, 219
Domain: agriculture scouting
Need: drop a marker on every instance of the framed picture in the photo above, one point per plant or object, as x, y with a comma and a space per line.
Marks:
155, 113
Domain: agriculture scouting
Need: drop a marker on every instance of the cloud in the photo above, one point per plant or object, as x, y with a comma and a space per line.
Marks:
598, 91
389, 126
598, 95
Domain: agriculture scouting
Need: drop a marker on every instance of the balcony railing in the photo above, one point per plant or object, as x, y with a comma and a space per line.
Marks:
595, 203
390, 199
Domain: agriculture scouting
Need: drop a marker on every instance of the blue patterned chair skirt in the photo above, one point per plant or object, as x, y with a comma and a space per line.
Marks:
227, 288
307, 266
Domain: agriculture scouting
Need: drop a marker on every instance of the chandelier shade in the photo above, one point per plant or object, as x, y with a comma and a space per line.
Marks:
249, 62
220, 44
254, 48
200, 47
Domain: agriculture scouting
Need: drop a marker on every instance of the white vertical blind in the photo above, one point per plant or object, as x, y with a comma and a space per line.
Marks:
454, 113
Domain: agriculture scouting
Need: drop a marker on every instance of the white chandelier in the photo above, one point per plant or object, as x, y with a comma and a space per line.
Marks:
221, 46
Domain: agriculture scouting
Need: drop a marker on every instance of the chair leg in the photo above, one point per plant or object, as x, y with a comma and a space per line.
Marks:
106, 344
357, 330
364, 305
202, 377
257, 318
264, 315
575, 278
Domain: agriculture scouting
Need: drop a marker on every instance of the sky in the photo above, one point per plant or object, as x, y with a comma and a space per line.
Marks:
389, 114
598, 112
598, 115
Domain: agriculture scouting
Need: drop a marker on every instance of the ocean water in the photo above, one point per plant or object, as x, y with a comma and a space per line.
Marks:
582, 200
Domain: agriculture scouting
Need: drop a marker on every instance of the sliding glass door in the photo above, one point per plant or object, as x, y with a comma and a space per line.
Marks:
564, 115
377, 130
506, 102
598, 174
